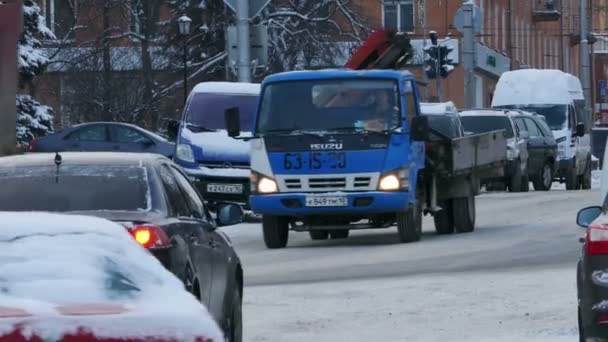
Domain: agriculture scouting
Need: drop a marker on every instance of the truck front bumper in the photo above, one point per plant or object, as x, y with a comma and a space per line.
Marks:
358, 203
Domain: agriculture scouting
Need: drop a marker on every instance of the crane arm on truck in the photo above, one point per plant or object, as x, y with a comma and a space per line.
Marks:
383, 49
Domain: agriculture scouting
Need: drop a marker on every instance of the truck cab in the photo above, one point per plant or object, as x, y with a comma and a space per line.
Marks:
217, 164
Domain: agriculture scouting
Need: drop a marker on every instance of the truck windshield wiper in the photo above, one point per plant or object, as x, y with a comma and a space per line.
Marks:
198, 129
359, 130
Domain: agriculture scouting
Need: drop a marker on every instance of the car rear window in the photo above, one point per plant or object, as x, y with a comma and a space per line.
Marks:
74, 188
481, 124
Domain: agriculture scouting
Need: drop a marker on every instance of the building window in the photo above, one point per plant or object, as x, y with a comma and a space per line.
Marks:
399, 15
60, 17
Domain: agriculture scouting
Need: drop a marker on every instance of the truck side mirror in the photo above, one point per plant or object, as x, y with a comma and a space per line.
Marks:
580, 129
420, 130
232, 117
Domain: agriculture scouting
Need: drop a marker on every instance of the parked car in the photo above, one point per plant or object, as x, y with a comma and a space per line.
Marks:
78, 278
154, 200
217, 163
542, 149
104, 137
516, 171
592, 274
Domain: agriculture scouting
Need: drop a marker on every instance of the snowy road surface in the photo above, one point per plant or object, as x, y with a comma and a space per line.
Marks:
513, 279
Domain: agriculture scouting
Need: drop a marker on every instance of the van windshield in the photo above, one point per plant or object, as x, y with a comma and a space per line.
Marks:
206, 111
555, 115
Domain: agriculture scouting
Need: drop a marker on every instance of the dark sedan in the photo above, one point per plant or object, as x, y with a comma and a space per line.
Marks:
153, 199
104, 137
592, 274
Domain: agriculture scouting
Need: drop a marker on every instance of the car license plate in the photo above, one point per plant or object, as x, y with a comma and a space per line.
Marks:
225, 188
326, 201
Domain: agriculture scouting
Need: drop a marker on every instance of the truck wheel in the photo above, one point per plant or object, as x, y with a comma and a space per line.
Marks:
464, 214
276, 231
444, 221
339, 234
409, 224
525, 183
572, 179
544, 180
319, 234
586, 177
514, 183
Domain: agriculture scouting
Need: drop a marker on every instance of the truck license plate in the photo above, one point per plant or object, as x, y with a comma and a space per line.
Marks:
225, 188
326, 201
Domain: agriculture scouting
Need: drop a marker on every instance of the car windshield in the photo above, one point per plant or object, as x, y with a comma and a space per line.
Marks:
555, 115
481, 124
74, 188
206, 110
328, 105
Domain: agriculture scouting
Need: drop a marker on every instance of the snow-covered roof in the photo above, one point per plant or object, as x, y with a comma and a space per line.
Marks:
535, 86
483, 112
437, 108
228, 88
62, 272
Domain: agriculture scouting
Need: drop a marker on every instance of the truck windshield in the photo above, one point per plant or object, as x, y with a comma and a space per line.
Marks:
206, 110
555, 115
329, 105
481, 124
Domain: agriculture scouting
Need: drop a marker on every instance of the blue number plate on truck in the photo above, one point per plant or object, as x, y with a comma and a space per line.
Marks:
314, 160
326, 201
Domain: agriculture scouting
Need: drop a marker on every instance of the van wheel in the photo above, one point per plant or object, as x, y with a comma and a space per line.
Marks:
515, 180
586, 177
319, 234
276, 231
525, 183
544, 180
464, 214
409, 224
444, 221
572, 180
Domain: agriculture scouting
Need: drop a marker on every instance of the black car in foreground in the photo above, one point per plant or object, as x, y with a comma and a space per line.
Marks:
153, 199
592, 274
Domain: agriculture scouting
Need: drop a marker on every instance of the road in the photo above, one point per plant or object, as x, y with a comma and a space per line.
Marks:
511, 280
532, 229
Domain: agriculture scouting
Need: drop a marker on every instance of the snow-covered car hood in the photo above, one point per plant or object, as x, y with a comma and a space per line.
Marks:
216, 146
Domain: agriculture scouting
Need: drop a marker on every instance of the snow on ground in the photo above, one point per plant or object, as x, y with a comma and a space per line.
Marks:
518, 305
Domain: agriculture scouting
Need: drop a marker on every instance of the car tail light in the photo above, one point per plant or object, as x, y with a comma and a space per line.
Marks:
597, 240
150, 236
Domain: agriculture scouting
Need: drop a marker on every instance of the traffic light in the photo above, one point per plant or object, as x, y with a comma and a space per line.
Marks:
437, 61
445, 62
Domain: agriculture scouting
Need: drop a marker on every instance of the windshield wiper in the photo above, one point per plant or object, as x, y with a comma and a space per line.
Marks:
359, 130
198, 129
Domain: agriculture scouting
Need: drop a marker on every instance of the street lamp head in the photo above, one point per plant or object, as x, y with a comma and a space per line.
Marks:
184, 22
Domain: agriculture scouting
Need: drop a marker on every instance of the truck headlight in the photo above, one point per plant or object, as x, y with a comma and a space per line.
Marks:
267, 185
389, 183
184, 152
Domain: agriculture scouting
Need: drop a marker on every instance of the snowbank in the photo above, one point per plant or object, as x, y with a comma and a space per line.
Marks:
61, 272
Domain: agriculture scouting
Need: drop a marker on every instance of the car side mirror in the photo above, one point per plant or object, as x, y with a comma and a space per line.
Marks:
229, 214
172, 130
420, 130
587, 215
232, 117
580, 129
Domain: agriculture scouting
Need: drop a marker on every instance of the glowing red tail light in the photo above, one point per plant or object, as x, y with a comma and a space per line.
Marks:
597, 240
150, 236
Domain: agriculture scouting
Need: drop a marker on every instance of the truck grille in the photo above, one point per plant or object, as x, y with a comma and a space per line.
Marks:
327, 183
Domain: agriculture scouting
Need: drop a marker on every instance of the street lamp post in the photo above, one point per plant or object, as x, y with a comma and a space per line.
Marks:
184, 22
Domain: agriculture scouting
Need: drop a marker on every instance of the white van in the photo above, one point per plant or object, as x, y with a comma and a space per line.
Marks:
558, 96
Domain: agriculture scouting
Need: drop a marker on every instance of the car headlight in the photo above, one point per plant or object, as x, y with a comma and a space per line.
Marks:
184, 152
393, 181
267, 185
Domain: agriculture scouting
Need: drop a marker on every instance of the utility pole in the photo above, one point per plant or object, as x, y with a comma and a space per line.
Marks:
584, 52
468, 56
242, 27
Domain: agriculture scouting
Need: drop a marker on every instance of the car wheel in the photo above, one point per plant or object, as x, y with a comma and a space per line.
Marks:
572, 179
409, 224
319, 234
514, 183
586, 177
444, 221
234, 324
464, 214
339, 234
544, 180
525, 183
276, 231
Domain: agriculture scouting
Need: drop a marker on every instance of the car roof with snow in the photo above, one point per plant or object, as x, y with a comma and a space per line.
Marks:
343, 73
484, 112
79, 158
236, 88
438, 108
56, 266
